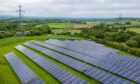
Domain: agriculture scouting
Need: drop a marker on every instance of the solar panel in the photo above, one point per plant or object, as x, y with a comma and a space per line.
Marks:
60, 74
75, 64
24, 73
117, 67
90, 47
105, 77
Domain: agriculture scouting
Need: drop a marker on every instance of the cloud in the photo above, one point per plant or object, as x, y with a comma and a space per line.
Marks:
73, 8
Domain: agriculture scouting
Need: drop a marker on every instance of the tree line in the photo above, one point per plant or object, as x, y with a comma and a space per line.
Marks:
116, 36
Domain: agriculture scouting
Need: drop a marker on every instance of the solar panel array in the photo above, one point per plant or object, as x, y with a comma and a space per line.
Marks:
86, 47
26, 75
77, 65
60, 74
124, 66
102, 76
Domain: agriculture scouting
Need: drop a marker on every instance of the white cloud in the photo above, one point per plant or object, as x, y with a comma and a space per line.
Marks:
73, 8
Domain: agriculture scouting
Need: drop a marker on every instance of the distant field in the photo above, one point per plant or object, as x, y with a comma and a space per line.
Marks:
61, 25
137, 30
57, 31
70, 25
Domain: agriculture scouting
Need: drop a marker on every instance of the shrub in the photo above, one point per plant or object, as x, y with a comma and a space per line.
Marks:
1, 36
137, 39
132, 43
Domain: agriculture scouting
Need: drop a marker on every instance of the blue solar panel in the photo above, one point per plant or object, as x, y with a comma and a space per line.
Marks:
94, 72
60, 74
26, 75
112, 62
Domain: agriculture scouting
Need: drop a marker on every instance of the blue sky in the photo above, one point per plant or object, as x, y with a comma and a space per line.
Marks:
72, 8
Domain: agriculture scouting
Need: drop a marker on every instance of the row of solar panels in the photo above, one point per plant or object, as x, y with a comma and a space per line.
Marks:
127, 67
93, 50
86, 47
93, 72
25, 74
63, 76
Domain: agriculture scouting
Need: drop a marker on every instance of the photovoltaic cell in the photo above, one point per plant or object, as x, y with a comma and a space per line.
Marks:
60, 74
98, 76
26, 75
112, 62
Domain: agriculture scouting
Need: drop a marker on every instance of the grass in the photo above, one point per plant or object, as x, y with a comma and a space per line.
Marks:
61, 25
7, 76
137, 30
57, 31
121, 52
124, 53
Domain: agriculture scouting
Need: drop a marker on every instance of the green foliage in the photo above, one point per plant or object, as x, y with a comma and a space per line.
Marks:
128, 23
137, 39
123, 37
1, 36
45, 29
115, 36
132, 43
120, 46
100, 34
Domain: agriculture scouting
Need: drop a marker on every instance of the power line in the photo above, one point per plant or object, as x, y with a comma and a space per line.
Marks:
20, 13
120, 18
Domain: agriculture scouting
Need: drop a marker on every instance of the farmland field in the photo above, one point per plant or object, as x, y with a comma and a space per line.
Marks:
61, 25
70, 25
137, 30
72, 31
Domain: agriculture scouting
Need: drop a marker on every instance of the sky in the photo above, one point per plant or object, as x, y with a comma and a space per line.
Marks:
72, 8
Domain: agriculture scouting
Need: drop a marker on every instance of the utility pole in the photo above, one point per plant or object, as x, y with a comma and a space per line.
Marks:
20, 13
120, 18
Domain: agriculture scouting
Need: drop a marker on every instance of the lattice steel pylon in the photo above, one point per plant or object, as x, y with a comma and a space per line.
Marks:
20, 15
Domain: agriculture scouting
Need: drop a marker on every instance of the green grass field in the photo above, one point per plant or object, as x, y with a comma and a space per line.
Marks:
7, 76
57, 31
137, 30
61, 25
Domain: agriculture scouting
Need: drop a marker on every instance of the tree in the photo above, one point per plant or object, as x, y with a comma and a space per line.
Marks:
1, 36
137, 39
132, 43
100, 34
123, 37
128, 23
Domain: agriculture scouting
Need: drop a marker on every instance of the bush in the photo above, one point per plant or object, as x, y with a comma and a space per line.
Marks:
1, 36
120, 46
128, 23
100, 34
137, 39
123, 37
132, 43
